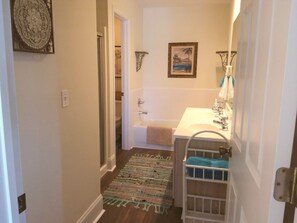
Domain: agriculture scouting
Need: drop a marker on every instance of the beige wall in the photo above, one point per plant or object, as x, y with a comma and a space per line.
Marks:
60, 147
117, 31
207, 24
102, 15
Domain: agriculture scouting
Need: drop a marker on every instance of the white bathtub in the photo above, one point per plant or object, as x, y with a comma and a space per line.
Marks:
140, 134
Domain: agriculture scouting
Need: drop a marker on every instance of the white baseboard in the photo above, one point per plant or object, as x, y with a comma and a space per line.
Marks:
99, 216
112, 169
103, 170
111, 163
94, 212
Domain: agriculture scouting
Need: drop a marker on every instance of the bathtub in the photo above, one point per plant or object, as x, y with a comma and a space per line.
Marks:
140, 130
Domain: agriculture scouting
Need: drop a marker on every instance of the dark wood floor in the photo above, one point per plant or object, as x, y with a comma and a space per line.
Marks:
129, 214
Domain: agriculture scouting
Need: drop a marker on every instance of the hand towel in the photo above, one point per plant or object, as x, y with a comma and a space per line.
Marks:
230, 88
224, 88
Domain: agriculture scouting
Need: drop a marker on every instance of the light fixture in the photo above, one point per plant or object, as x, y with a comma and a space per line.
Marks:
224, 57
139, 57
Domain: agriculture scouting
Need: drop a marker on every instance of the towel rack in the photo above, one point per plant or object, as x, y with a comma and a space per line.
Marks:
202, 167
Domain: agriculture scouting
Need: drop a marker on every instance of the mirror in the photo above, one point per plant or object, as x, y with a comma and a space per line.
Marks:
234, 45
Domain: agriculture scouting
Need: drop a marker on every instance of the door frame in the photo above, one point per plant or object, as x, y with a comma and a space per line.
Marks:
110, 108
102, 83
10, 165
125, 80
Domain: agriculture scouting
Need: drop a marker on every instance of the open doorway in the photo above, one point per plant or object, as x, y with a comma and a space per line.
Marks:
121, 82
118, 80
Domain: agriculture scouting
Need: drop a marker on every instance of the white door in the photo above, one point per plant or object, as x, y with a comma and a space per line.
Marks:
11, 181
264, 108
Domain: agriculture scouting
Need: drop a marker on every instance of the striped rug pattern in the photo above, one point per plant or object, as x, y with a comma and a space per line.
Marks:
145, 181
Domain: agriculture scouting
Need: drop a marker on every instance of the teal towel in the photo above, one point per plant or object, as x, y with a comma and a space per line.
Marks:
222, 81
221, 175
203, 161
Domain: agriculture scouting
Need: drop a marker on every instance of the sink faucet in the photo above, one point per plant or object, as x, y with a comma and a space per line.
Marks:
142, 112
218, 109
140, 102
222, 122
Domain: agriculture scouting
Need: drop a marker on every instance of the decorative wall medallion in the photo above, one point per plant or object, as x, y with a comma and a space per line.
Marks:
32, 26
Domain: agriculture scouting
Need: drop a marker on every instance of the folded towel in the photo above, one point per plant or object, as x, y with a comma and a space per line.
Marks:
208, 173
204, 161
159, 135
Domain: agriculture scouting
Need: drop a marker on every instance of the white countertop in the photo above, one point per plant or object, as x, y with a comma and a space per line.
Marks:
200, 119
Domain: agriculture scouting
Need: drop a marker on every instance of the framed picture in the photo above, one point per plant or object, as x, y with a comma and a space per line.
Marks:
182, 60
32, 26
118, 64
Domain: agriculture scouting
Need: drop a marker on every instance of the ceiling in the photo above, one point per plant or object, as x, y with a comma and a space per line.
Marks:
173, 3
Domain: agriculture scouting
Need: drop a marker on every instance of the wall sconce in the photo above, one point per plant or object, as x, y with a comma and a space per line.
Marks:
139, 56
224, 57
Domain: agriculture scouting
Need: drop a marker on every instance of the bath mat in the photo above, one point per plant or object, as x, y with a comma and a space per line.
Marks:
145, 182
159, 135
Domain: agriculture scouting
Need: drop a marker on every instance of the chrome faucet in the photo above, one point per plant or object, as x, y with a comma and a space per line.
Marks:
218, 107
142, 112
222, 122
140, 102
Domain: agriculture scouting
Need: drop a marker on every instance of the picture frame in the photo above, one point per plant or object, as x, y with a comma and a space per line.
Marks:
32, 26
182, 59
118, 64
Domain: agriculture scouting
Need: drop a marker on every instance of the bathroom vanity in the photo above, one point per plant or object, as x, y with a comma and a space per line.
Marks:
195, 120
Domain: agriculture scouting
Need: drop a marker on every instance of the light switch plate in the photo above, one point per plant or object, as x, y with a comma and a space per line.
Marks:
65, 98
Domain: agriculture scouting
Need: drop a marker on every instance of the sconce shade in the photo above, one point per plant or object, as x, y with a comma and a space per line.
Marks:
139, 56
224, 58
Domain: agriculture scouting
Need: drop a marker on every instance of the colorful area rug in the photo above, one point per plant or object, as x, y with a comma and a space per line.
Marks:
145, 181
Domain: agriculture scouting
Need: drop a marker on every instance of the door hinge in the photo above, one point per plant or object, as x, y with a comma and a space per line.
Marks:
285, 185
22, 203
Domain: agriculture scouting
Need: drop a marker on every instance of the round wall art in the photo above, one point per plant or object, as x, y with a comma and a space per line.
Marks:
32, 26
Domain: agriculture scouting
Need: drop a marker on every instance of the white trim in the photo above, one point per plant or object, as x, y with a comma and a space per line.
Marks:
106, 110
90, 214
103, 170
99, 216
125, 85
111, 163
112, 169
110, 90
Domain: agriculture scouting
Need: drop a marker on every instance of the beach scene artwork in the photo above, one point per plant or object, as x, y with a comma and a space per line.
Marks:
182, 59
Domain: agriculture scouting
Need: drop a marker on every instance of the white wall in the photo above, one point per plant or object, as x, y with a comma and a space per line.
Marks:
207, 24
60, 147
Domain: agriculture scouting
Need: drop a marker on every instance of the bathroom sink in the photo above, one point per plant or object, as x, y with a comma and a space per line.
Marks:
200, 127
199, 119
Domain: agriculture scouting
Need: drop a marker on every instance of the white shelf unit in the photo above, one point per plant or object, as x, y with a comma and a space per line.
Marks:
203, 208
